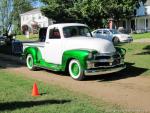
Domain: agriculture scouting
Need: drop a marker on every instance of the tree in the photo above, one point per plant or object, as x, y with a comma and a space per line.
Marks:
5, 9
58, 10
95, 13
19, 7
10, 11
121, 9
90, 11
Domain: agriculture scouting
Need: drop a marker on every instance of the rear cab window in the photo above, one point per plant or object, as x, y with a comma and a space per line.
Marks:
54, 33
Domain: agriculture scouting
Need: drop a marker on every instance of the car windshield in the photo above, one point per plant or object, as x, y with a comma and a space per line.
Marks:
76, 31
114, 31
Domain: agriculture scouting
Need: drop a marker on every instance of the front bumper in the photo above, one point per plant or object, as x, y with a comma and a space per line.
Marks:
104, 70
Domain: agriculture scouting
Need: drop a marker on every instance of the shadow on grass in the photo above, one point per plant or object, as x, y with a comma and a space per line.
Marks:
6, 49
29, 104
130, 71
146, 51
8, 63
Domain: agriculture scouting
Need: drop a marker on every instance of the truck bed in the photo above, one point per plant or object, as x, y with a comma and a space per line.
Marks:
41, 44
33, 44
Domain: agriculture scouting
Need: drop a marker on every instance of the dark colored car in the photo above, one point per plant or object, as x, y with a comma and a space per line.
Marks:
2, 40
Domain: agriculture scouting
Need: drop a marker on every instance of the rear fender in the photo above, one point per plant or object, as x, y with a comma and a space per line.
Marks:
35, 52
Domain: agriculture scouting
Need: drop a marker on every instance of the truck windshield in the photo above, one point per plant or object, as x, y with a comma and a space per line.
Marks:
76, 31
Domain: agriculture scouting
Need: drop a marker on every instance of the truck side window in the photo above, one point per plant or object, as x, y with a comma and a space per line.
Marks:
54, 34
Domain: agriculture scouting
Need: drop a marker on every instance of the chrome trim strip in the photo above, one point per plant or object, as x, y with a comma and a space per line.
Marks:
103, 71
111, 66
104, 54
104, 60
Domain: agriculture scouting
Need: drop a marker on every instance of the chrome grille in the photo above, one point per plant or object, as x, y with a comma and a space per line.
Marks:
102, 57
106, 60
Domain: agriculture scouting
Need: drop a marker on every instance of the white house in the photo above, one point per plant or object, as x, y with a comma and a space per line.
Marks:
34, 17
141, 22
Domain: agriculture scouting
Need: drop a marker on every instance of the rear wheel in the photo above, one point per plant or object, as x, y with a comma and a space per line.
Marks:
75, 70
29, 62
115, 40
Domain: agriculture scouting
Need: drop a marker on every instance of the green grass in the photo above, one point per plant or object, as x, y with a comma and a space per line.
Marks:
32, 37
141, 35
138, 57
15, 97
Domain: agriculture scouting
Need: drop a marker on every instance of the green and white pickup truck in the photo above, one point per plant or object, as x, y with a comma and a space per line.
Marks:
71, 47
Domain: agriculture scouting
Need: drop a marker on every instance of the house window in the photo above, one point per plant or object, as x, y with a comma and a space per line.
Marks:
39, 17
33, 18
124, 24
145, 11
146, 23
135, 12
27, 18
44, 24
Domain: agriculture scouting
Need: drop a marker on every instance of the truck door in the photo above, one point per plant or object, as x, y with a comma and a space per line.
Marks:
53, 46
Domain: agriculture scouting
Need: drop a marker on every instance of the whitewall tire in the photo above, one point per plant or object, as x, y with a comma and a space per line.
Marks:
29, 62
75, 70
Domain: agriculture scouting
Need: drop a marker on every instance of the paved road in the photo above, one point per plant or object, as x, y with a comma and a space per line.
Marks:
131, 91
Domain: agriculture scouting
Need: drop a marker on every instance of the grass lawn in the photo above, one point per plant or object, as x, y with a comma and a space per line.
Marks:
32, 37
15, 97
141, 35
138, 58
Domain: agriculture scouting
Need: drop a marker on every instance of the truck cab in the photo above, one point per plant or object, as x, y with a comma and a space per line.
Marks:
71, 47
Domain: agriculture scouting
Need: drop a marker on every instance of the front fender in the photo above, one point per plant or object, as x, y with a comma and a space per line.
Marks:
80, 55
122, 51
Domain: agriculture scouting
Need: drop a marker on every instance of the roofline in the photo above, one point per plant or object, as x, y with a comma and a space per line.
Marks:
68, 24
29, 12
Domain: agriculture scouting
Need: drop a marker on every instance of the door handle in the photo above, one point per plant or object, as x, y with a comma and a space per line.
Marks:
47, 42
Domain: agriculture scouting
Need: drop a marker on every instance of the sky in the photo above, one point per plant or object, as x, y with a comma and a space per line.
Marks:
37, 4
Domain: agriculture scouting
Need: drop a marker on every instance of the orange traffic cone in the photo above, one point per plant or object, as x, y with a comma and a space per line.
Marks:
35, 90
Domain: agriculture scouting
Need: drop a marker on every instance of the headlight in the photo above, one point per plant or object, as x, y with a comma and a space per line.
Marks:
90, 56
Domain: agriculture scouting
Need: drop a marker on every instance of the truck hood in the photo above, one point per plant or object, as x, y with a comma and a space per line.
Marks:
100, 45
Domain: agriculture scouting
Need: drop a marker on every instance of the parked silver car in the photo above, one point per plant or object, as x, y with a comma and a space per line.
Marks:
112, 35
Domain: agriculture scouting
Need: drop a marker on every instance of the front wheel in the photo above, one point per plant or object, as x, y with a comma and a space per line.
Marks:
75, 70
29, 62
